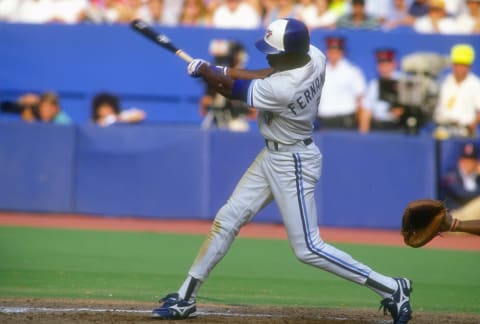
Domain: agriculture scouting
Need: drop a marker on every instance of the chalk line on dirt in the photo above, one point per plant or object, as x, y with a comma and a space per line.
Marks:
18, 310
37, 310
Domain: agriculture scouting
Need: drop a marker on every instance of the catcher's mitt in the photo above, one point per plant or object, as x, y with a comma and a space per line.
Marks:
422, 220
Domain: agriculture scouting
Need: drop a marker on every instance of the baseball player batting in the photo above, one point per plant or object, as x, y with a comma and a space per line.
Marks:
286, 170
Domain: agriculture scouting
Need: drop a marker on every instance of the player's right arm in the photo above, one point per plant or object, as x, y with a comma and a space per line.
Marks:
231, 83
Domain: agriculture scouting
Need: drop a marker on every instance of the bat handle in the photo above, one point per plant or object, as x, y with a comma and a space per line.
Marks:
184, 56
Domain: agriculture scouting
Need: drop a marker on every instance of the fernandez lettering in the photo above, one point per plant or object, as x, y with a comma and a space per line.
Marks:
307, 95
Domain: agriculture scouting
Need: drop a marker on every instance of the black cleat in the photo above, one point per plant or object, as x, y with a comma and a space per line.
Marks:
175, 308
398, 305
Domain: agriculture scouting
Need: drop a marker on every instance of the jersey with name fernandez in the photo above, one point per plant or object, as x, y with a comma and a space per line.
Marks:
287, 101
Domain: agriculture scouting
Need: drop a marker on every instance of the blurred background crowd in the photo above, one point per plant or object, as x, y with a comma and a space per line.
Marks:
423, 16
421, 93
410, 94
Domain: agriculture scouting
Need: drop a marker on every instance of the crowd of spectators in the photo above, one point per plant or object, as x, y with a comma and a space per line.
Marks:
423, 16
46, 107
410, 98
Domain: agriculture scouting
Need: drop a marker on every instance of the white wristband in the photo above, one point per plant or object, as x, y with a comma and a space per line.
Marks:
222, 69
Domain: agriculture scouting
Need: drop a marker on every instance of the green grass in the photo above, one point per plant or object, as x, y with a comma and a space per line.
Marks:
145, 266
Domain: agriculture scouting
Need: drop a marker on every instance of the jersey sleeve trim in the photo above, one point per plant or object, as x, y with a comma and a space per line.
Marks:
250, 94
240, 89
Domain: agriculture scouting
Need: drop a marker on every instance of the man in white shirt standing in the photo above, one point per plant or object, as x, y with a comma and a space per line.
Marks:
458, 109
343, 90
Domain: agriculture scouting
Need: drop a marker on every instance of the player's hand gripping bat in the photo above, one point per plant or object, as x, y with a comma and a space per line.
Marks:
159, 39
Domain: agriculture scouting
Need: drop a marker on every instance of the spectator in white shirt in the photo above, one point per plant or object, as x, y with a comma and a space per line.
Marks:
35, 12
8, 10
399, 15
171, 12
436, 21
455, 8
108, 11
69, 11
380, 9
343, 90
151, 12
469, 22
236, 14
282, 9
318, 15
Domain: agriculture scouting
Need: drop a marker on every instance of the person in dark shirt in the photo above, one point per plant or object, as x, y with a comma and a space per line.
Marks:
358, 18
418, 8
460, 188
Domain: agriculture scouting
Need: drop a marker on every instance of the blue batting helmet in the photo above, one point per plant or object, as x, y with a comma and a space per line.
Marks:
285, 36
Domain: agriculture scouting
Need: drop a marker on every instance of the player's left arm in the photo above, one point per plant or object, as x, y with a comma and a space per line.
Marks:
241, 74
450, 224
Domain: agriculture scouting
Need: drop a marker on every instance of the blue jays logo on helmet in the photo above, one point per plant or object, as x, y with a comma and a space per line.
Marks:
285, 36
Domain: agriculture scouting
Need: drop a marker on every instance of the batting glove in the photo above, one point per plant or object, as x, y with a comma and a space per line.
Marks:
194, 66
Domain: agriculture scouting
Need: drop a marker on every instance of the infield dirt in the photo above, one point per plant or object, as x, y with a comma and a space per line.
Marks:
43, 311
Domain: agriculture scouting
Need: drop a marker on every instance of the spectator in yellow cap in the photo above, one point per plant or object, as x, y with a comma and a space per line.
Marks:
458, 110
436, 21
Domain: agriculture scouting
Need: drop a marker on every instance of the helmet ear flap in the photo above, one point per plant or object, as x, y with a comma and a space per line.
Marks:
297, 37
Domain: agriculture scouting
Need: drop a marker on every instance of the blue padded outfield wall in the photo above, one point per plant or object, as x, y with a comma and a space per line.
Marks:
184, 172
142, 171
368, 180
36, 167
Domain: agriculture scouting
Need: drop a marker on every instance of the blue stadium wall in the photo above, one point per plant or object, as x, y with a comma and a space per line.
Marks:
168, 167
184, 172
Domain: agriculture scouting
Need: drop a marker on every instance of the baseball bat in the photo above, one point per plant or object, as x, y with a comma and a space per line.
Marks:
159, 39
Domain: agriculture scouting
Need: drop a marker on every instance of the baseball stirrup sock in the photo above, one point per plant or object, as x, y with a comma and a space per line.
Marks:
189, 288
382, 285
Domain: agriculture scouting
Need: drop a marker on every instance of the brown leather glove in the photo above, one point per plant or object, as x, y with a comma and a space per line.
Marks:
422, 221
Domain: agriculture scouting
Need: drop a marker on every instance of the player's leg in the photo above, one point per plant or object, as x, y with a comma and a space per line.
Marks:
251, 194
293, 190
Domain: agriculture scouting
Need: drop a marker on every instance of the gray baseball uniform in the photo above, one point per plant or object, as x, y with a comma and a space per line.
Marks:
287, 96
286, 171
